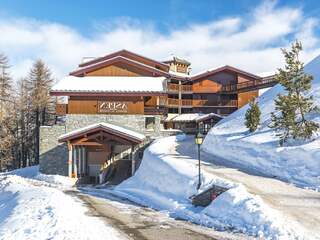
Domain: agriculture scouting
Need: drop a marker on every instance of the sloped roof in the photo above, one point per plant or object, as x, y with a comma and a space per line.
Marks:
192, 117
127, 54
105, 127
92, 67
223, 68
110, 84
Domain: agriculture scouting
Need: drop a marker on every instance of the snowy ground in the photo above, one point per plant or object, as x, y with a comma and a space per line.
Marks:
33, 206
37, 206
296, 204
297, 162
166, 179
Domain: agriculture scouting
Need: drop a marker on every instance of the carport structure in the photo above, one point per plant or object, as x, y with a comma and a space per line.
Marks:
97, 145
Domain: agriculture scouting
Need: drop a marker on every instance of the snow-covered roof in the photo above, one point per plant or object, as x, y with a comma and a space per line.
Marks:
171, 116
110, 84
222, 68
96, 65
267, 74
106, 126
207, 70
208, 116
190, 117
175, 58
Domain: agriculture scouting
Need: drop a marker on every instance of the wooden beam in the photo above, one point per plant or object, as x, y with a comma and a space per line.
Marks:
133, 161
70, 160
88, 144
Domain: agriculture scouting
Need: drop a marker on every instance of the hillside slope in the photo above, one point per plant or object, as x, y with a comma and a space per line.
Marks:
298, 162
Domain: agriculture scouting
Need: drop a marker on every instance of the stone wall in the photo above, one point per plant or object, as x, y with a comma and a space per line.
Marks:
54, 155
133, 122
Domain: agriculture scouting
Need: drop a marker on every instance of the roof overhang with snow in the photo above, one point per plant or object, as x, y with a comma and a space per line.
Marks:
116, 132
110, 61
193, 117
131, 55
221, 69
102, 86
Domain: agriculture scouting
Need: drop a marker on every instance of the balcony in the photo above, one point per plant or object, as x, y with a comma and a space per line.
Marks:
210, 103
201, 103
175, 88
155, 110
176, 102
249, 85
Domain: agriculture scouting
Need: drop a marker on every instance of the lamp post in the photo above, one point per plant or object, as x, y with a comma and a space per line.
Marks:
198, 140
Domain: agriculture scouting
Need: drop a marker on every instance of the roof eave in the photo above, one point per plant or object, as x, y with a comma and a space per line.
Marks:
106, 93
102, 128
220, 69
99, 59
84, 70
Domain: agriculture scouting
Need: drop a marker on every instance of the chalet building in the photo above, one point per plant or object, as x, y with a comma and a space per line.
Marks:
110, 107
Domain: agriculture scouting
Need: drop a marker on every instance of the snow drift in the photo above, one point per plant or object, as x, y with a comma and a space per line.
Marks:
298, 163
32, 207
166, 180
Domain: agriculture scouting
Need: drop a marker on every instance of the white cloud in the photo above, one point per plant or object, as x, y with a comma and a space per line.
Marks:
251, 41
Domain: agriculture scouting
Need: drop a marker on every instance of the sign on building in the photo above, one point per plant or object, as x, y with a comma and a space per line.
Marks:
112, 107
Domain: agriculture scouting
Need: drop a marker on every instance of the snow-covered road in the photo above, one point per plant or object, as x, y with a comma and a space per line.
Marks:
37, 206
296, 204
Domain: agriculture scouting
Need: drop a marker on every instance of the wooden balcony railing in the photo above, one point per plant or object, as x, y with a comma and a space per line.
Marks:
176, 88
210, 103
250, 85
177, 102
201, 103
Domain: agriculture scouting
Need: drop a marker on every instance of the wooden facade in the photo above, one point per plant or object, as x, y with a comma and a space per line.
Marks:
212, 91
207, 92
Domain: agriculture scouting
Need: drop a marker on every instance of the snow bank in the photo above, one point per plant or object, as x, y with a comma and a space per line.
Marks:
33, 174
166, 180
298, 163
32, 210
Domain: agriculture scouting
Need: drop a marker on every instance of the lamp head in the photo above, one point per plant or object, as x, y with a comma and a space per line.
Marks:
198, 138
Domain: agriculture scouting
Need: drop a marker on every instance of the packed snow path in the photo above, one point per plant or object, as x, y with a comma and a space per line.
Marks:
141, 223
297, 204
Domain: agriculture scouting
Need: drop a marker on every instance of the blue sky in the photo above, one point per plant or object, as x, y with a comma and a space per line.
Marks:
243, 33
86, 16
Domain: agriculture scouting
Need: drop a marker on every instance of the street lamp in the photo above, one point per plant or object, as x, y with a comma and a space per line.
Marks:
198, 140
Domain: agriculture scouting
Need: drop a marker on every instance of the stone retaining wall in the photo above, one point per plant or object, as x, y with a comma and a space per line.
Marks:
53, 155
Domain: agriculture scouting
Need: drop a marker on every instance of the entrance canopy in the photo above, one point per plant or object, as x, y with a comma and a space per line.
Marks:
102, 130
93, 147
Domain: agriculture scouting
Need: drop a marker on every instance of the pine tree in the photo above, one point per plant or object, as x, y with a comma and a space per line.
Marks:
5, 85
291, 121
253, 116
25, 128
39, 83
6, 116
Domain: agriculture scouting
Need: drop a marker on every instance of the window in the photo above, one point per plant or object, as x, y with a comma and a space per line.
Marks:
150, 123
